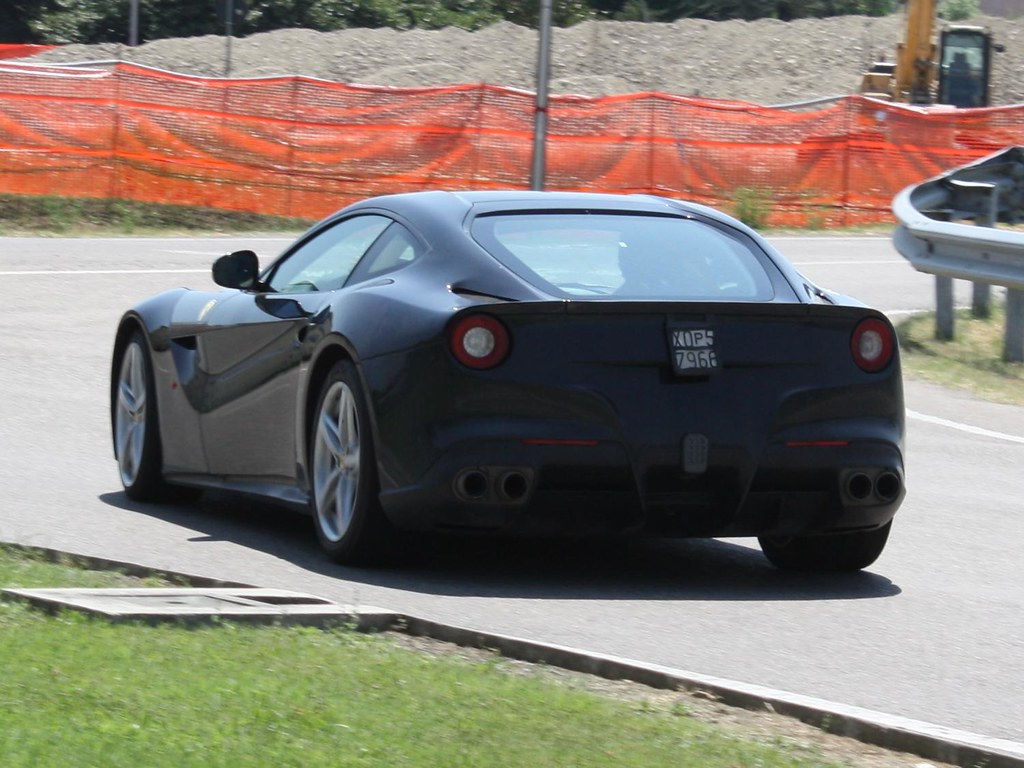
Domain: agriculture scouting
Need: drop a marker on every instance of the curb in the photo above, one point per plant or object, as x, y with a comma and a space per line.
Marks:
901, 734
131, 569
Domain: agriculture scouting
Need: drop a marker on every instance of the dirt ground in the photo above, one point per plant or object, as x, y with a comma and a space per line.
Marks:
765, 61
765, 727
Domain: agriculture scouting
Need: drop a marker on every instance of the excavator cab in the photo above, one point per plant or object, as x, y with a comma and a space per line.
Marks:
965, 66
956, 71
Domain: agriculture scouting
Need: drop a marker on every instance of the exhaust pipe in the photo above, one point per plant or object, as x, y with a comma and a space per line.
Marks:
887, 486
471, 484
513, 486
858, 486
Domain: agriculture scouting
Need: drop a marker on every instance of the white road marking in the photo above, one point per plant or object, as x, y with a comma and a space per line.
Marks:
852, 261
201, 253
104, 272
209, 239
964, 427
832, 239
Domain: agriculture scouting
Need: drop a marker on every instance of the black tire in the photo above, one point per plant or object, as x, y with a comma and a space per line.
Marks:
349, 522
136, 426
829, 553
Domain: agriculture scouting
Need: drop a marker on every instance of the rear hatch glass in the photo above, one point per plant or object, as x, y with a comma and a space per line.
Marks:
627, 256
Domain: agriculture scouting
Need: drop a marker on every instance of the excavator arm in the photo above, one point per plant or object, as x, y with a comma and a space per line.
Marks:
915, 56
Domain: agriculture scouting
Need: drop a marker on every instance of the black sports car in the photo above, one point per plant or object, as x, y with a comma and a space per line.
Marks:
528, 362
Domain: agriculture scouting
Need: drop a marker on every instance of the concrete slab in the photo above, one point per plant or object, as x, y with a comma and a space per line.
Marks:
198, 605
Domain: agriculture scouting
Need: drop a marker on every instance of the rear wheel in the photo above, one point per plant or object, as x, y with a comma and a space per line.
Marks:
833, 553
135, 425
350, 523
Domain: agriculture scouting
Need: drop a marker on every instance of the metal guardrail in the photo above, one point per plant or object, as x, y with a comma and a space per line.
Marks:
987, 192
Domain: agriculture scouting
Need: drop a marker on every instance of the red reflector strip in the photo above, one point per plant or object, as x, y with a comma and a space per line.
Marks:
816, 443
555, 441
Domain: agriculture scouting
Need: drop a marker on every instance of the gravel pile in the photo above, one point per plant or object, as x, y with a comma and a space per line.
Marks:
765, 61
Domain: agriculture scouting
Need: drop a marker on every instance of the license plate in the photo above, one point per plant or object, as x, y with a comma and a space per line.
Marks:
692, 350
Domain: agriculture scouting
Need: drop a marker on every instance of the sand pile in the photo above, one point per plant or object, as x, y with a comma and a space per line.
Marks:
765, 61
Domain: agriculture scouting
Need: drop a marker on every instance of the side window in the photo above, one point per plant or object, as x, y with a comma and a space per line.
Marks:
325, 262
395, 249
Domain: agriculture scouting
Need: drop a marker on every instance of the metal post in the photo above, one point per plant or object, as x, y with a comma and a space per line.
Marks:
981, 300
981, 303
540, 119
133, 23
943, 308
1013, 340
229, 18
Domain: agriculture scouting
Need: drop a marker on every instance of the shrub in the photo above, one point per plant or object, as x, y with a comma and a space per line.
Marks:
752, 206
958, 10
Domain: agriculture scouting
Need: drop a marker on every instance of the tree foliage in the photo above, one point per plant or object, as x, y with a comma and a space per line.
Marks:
94, 21
669, 10
958, 10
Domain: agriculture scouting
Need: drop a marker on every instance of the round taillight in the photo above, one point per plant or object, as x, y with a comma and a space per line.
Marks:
479, 341
872, 344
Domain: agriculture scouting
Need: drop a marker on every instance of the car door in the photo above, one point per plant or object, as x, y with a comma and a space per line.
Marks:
252, 351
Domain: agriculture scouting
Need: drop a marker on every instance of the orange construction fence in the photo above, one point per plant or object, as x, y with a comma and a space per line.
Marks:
296, 146
21, 50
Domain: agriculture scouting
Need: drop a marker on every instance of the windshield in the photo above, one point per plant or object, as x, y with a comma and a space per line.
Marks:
625, 256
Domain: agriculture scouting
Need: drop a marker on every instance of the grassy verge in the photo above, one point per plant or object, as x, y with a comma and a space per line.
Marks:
78, 691
972, 360
28, 214
53, 215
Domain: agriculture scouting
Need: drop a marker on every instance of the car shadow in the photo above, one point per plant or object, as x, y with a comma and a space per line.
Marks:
581, 569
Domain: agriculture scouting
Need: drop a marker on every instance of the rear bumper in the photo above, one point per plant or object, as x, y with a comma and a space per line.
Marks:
604, 436
510, 486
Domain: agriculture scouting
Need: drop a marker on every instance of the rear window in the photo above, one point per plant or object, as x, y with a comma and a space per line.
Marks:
625, 256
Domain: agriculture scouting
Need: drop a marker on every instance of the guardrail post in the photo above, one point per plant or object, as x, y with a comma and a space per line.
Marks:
943, 308
1013, 339
981, 301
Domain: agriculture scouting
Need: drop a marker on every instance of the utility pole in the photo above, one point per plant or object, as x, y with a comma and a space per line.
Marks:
133, 23
540, 118
229, 18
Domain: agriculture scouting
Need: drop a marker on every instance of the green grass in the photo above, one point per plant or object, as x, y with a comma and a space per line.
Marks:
752, 206
38, 568
28, 214
971, 361
69, 216
78, 691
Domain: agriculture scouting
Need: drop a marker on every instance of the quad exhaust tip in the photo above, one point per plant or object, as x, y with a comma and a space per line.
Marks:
501, 484
888, 486
471, 484
859, 486
512, 486
873, 486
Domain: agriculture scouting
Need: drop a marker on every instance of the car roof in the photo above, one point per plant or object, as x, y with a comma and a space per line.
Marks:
442, 216
460, 203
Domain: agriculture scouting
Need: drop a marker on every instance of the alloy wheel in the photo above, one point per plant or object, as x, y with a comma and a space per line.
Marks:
336, 461
130, 414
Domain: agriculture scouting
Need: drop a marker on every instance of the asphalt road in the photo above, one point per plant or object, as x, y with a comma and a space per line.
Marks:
933, 631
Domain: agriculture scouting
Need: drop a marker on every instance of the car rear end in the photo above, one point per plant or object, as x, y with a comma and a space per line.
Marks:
679, 381
722, 419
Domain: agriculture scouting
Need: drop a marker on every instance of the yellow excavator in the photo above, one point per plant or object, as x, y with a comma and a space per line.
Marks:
957, 71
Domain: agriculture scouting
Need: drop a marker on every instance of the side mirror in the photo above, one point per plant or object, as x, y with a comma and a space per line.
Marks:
236, 270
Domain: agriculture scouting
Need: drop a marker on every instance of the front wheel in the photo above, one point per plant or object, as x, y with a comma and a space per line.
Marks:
828, 553
135, 425
350, 523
